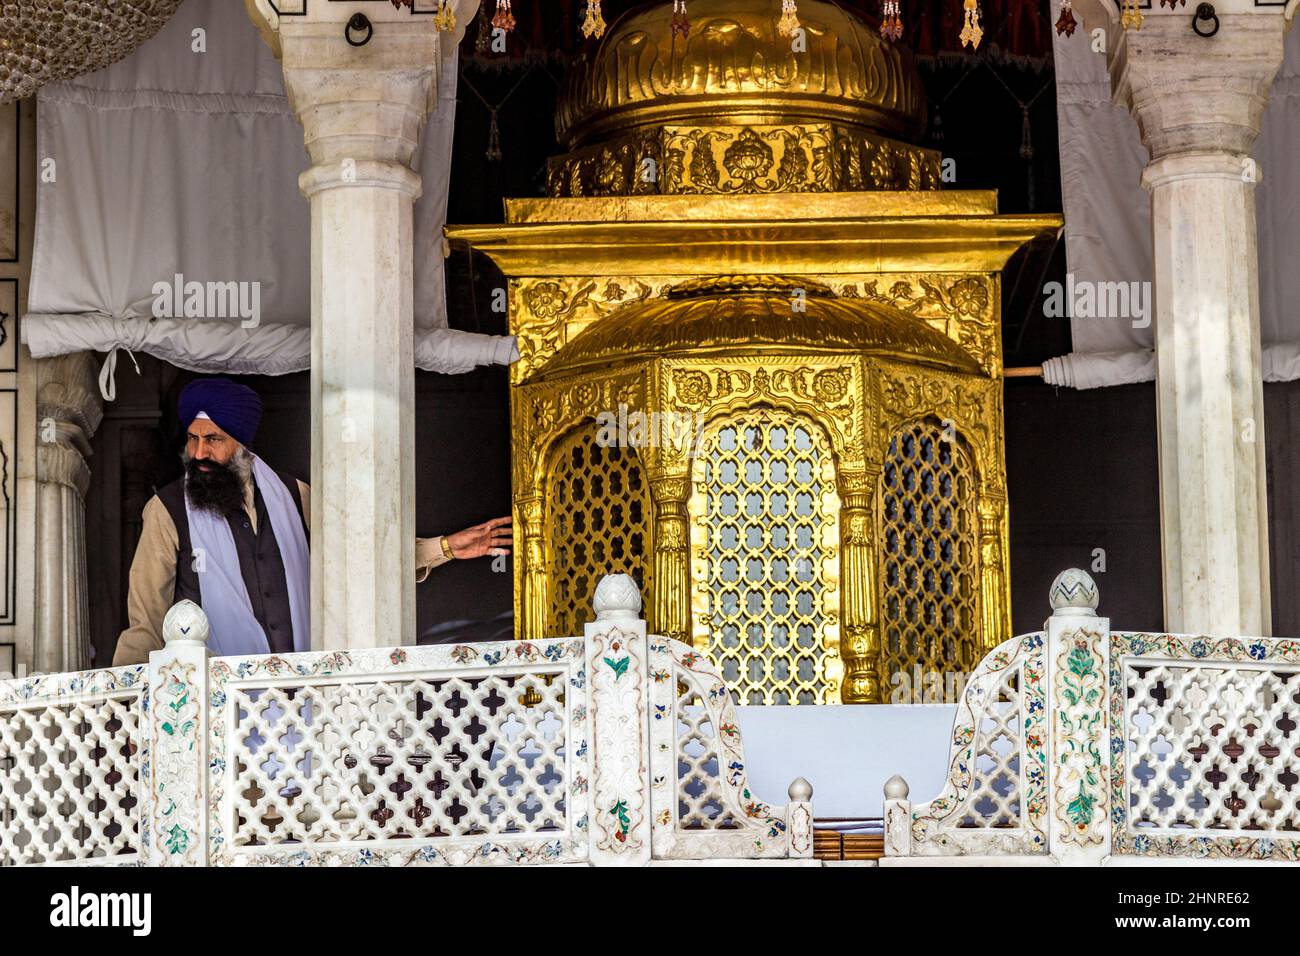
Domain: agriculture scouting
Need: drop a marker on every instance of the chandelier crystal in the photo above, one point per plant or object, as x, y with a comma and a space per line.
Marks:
46, 40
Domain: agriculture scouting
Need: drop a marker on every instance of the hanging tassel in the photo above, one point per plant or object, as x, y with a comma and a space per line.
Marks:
1066, 23
1131, 17
493, 152
680, 25
891, 23
971, 32
445, 19
504, 19
594, 25
789, 19
1026, 135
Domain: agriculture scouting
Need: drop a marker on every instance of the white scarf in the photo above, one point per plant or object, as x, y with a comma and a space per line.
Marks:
233, 630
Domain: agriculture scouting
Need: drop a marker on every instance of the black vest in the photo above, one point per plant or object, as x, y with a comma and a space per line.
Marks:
260, 563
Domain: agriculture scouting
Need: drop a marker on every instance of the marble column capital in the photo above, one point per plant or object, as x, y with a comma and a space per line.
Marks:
62, 464
68, 411
360, 173
1179, 167
357, 103
1196, 94
67, 390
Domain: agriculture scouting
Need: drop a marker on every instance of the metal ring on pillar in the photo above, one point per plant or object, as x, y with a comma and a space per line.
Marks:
1205, 12
359, 22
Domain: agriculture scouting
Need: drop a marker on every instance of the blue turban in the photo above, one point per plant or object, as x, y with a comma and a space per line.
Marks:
236, 409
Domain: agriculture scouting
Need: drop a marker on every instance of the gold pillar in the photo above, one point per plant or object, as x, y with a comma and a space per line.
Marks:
860, 643
995, 603
670, 605
536, 604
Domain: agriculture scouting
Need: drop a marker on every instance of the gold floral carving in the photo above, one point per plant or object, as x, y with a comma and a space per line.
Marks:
970, 404
728, 160
961, 308
824, 392
553, 311
543, 412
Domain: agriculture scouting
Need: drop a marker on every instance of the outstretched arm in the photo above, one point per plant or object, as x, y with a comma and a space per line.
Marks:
491, 537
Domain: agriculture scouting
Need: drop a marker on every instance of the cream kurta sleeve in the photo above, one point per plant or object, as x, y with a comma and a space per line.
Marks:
151, 588
428, 555
428, 551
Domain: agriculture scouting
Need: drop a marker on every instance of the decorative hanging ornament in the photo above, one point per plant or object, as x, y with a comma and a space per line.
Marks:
493, 152
445, 18
594, 25
1066, 23
789, 18
1173, 3
483, 39
680, 25
891, 21
971, 32
1131, 16
504, 19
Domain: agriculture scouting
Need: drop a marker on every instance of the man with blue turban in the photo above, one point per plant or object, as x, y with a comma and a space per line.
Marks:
232, 536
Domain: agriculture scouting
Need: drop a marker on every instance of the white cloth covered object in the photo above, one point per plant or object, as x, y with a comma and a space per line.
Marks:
180, 165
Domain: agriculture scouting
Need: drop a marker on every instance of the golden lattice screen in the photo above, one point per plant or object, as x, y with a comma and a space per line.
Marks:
765, 519
597, 514
929, 568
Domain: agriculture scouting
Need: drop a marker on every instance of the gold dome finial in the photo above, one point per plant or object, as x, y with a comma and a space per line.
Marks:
750, 96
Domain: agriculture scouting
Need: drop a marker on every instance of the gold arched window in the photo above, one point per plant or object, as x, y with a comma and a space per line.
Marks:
929, 555
597, 513
765, 520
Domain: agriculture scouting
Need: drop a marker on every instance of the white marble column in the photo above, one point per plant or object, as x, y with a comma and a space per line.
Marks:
362, 110
68, 410
1198, 103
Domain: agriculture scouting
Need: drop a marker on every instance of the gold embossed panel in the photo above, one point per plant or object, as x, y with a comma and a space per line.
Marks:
928, 558
597, 513
765, 520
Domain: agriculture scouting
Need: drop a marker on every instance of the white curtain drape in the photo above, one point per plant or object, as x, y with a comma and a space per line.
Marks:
1108, 217
183, 160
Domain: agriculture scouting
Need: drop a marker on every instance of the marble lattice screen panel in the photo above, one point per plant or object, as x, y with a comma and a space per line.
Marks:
1206, 746
446, 754
72, 749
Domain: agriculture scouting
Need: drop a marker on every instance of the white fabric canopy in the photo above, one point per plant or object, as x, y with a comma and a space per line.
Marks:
176, 162
1108, 217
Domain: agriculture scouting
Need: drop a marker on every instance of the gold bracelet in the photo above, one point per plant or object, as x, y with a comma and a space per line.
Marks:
446, 548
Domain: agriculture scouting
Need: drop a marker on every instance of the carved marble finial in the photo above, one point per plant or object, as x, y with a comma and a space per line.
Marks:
896, 788
617, 597
1074, 592
800, 791
185, 623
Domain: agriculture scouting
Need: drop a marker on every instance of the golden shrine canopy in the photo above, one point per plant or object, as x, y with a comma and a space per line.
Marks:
747, 257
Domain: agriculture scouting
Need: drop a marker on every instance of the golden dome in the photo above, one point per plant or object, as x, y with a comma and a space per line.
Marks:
736, 69
735, 313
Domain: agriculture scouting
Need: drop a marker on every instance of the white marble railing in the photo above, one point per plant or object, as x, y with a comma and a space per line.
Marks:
1084, 746
71, 749
614, 748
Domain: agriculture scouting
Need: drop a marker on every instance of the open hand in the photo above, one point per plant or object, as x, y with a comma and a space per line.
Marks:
491, 537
